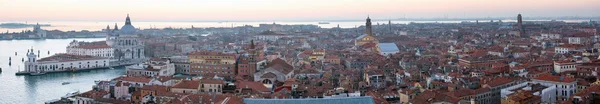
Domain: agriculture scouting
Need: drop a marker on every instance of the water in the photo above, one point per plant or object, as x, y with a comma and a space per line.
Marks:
96, 26
38, 89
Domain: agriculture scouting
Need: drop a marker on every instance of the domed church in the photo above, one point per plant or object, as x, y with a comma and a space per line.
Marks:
126, 42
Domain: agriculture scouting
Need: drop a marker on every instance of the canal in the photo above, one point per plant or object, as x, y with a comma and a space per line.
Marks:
38, 89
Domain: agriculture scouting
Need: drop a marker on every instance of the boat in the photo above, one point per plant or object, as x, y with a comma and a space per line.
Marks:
37, 73
323, 22
111, 68
65, 83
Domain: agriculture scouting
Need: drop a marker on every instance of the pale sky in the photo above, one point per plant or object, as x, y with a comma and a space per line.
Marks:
243, 10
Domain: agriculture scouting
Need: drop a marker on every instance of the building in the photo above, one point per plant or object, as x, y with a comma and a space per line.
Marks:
367, 37
212, 86
522, 97
526, 92
62, 62
182, 64
388, 49
565, 65
568, 48
375, 79
212, 62
199, 86
276, 71
269, 36
247, 65
153, 67
186, 87
565, 86
127, 45
581, 38
99, 49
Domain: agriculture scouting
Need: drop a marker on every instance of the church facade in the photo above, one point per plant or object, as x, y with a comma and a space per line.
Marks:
126, 43
367, 42
367, 37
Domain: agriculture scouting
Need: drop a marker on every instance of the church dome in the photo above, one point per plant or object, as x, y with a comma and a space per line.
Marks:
128, 28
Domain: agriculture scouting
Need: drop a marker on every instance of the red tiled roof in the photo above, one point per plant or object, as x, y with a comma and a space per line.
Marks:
500, 81
187, 84
253, 85
548, 77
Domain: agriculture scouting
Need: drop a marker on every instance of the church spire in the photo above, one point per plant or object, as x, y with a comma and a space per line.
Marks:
368, 26
127, 20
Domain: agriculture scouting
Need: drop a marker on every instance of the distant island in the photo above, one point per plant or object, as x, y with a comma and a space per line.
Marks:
20, 25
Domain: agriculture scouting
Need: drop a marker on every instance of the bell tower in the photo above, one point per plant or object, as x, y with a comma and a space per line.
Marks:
30, 64
368, 30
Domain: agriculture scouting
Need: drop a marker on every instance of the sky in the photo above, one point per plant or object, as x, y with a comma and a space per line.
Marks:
248, 10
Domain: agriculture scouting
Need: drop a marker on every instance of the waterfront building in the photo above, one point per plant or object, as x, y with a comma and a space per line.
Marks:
99, 49
126, 42
212, 63
153, 67
62, 62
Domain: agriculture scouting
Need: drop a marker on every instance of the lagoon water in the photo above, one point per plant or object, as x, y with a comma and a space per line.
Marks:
38, 89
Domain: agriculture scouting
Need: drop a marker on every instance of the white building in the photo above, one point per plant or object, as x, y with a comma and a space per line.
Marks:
548, 93
566, 48
99, 49
565, 86
566, 65
63, 62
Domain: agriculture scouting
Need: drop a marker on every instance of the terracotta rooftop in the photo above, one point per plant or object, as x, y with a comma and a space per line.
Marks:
548, 77
187, 84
